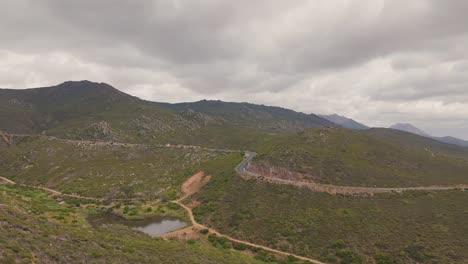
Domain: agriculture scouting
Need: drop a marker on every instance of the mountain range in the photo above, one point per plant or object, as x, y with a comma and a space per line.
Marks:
406, 127
414, 130
84, 109
89, 110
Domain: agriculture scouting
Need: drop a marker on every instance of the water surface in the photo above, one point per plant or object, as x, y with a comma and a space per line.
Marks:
153, 226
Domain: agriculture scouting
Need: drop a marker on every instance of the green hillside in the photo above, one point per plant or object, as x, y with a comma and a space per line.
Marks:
37, 229
377, 157
111, 171
413, 227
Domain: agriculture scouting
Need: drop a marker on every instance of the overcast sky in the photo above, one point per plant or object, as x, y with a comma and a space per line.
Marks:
377, 61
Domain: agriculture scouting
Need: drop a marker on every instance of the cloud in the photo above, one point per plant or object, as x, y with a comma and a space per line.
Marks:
374, 60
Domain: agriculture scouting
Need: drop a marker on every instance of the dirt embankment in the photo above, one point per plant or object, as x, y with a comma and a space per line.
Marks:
5, 137
194, 183
269, 171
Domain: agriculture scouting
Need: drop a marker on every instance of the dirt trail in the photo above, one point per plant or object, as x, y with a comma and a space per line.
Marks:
4, 180
191, 186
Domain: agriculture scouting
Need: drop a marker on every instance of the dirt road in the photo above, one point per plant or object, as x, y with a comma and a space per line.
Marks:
198, 226
242, 169
4, 180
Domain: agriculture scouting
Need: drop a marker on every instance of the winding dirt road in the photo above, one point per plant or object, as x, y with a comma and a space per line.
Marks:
198, 226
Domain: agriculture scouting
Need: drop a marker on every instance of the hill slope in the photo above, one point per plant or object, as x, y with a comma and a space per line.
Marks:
38, 229
375, 157
411, 227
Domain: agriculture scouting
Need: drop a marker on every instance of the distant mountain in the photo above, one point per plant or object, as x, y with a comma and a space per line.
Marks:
412, 129
345, 122
452, 140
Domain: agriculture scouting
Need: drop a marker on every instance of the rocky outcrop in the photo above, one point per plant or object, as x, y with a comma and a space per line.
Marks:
269, 171
96, 131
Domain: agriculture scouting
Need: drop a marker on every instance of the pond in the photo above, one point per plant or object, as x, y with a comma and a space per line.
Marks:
153, 226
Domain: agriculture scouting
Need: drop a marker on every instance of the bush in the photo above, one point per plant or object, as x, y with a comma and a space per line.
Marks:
385, 259
126, 209
239, 246
339, 244
219, 242
173, 206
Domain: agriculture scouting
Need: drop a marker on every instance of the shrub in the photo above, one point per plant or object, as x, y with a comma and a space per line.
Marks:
239, 246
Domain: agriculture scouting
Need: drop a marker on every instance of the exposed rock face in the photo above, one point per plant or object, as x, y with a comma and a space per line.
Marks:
270, 171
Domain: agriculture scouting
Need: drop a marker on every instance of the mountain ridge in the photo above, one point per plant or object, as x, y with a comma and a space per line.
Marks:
345, 122
89, 110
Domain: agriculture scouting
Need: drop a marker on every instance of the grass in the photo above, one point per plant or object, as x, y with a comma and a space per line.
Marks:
354, 158
413, 227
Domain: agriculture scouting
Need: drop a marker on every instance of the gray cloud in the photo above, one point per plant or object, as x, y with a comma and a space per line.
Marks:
374, 60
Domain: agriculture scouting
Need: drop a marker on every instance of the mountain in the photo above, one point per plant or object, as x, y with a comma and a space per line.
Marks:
414, 130
251, 115
345, 122
453, 141
37, 109
410, 129
89, 110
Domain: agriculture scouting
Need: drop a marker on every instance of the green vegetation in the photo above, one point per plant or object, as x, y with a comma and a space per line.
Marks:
423, 227
101, 171
35, 228
354, 158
